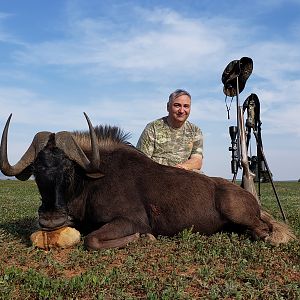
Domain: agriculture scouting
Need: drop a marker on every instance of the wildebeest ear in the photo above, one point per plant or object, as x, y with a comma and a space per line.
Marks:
94, 175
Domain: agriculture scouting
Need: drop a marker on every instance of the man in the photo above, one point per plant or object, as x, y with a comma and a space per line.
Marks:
173, 140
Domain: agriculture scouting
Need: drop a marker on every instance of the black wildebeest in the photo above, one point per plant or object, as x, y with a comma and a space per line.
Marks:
99, 182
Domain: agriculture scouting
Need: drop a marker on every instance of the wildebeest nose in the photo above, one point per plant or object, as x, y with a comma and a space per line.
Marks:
52, 220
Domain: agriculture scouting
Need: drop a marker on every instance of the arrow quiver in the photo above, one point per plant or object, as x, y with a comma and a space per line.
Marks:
253, 123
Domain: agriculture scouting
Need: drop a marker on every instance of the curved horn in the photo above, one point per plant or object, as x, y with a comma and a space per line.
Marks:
66, 141
95, 160
39, 141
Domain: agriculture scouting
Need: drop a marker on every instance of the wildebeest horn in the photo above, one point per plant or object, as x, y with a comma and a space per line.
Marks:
20, 169
95, 160
66, 142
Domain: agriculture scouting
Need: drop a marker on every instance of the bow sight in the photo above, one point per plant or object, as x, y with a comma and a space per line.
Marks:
255, 168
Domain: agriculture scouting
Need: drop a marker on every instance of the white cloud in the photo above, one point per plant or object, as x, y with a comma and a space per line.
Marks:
169, 43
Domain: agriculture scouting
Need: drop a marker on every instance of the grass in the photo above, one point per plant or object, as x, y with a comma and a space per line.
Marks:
188, 266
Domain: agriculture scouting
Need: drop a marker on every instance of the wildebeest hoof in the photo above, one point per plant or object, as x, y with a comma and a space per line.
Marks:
61, 238
149, 237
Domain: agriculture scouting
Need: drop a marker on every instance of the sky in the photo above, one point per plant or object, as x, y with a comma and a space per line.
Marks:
118, 61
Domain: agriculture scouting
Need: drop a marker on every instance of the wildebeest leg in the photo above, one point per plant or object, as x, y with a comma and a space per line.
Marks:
117, 233
240, 207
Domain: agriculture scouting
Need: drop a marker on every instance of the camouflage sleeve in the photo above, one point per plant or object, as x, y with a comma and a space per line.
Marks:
198, 142
146, 140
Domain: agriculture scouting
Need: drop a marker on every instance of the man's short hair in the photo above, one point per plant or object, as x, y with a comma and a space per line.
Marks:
178, 93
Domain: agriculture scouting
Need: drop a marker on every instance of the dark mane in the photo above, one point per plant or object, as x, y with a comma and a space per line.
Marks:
108, 137
112, 133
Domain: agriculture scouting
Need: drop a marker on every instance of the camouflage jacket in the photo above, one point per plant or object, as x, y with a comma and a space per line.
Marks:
169, 146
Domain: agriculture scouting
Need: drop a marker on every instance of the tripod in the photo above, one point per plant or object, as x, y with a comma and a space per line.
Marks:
259, 162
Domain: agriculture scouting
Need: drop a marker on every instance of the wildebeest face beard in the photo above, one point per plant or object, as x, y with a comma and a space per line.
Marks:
54, 175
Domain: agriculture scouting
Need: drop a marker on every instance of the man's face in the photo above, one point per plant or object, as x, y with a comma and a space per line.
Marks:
179, 110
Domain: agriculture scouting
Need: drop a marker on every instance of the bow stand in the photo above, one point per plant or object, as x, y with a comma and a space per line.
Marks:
240, 150
234, 79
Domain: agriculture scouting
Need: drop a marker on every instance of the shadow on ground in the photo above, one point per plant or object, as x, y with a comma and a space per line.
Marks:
20, 229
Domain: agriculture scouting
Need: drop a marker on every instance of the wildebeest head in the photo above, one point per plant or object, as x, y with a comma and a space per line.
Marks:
54, 160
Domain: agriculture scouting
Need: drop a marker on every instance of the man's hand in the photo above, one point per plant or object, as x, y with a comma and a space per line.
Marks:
181, 166
194, 163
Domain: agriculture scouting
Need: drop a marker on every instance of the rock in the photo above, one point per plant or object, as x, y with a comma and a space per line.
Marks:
61, 238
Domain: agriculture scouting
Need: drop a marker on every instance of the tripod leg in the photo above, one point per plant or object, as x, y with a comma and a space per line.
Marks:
258, 178
259, 168
269, 174
234, 178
